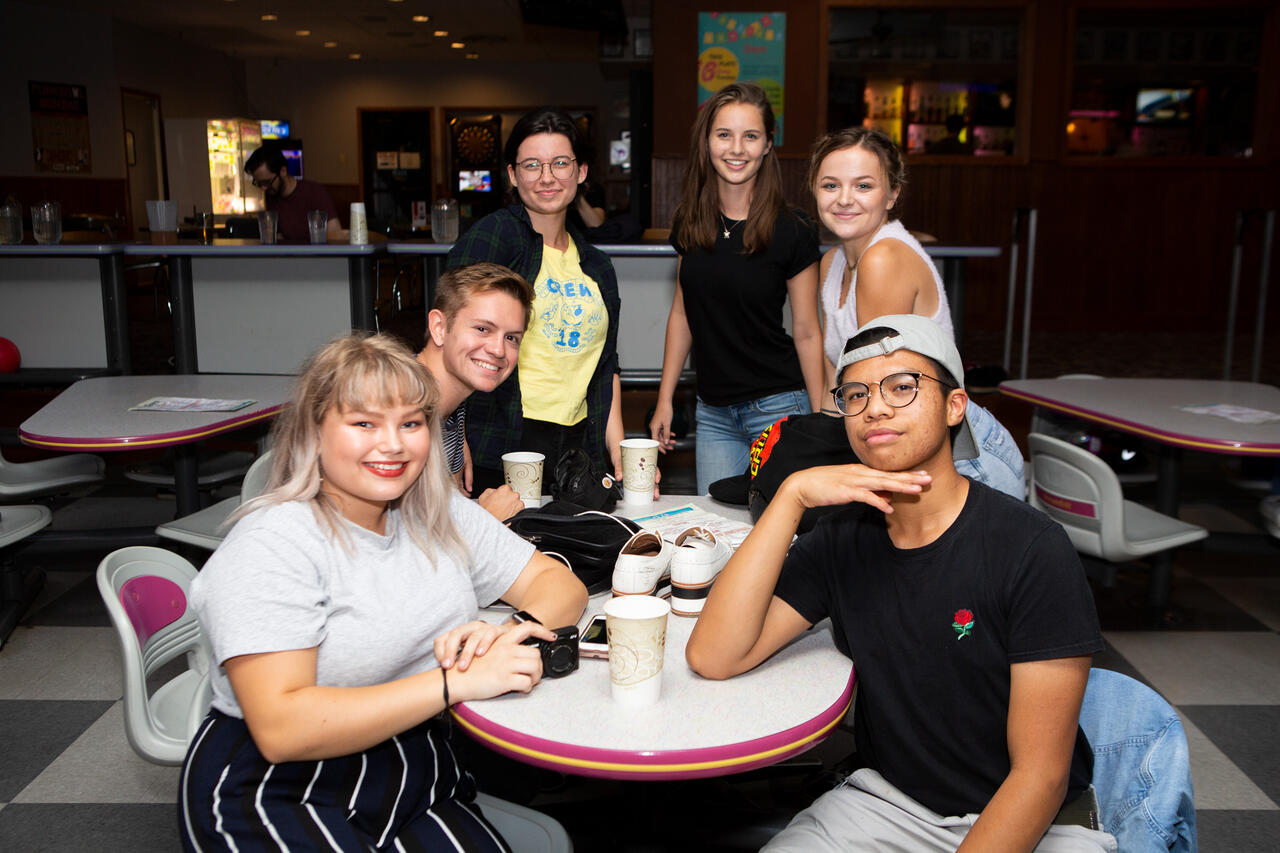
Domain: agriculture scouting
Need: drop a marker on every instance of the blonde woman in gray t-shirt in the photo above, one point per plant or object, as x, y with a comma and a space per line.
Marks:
341, 610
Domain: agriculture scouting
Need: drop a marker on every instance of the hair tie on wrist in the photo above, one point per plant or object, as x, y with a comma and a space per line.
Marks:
444, 681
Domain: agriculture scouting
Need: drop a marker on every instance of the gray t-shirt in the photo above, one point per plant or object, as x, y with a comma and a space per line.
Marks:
280, 581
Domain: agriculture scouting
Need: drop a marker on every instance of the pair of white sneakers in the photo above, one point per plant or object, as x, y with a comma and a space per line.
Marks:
684, 571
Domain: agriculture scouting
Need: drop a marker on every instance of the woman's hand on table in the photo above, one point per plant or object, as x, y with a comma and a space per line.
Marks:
660, 425
501, 503
488, 660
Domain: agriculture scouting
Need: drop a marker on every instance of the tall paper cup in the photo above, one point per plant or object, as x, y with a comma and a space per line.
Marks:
639, 466
637, 628
523, 472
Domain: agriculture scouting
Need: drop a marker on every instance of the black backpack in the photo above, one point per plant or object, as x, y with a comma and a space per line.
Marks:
587, 541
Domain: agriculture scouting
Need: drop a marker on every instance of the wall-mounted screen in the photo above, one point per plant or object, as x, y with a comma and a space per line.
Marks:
274, 129
1162, 106
475, 181
293, 160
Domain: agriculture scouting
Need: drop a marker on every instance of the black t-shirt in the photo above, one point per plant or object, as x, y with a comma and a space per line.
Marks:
734, 305
933, 631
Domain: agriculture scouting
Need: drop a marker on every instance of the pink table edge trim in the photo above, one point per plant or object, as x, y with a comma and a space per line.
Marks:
161, 439
657, 765
1209, 445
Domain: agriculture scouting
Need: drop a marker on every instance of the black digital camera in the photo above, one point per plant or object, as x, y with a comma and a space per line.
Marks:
559, 656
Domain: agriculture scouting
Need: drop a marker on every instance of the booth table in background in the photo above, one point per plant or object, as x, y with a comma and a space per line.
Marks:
242, 307
66, 309
699, 727
93, 416
1155, 409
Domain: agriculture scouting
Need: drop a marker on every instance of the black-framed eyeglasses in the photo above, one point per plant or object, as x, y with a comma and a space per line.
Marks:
262, 185
897, 390
531, 169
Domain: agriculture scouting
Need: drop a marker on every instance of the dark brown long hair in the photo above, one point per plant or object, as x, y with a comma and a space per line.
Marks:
697, 217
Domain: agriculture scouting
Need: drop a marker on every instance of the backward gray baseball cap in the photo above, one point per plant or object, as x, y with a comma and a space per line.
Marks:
920, 335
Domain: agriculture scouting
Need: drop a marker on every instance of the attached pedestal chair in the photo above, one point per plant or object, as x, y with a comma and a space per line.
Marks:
145, 591
22, 480
203, 528
18, 588
1082, 493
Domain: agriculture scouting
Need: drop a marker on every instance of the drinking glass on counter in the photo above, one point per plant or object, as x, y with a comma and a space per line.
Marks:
10, 223
318, 226
204, 222
46, 222
267, 227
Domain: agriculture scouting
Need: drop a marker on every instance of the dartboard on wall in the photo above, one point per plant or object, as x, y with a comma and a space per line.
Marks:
475, 142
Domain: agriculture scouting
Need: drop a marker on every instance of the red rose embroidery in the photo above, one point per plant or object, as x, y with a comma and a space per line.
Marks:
963, 623
964, 617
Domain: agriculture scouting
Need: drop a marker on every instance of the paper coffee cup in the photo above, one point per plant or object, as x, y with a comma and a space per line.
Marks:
639, 467
637, 628
522, 470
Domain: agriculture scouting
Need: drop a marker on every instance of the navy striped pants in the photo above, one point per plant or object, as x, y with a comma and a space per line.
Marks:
405, 794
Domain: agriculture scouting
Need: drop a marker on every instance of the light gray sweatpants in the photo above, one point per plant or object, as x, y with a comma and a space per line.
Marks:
867, 813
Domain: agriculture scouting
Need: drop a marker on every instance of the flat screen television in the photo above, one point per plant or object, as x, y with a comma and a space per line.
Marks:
274, 129
475, 181
1163, 106
293, 159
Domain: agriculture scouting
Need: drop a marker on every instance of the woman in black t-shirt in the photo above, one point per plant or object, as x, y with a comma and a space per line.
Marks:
743, 255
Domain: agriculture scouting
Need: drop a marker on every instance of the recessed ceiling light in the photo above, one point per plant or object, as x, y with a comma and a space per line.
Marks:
457, 45
353, 56
331, 44
269, 17
302, 32
421, 19
440, 33
473, 56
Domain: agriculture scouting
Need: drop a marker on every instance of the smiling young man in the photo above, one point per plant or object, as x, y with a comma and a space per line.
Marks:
966, 612
473, 343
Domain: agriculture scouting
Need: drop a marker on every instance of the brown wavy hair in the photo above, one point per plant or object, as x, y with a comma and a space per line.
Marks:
696, 219
875, 141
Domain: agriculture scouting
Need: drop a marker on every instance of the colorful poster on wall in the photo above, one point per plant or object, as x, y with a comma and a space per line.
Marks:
743, 46
60, 127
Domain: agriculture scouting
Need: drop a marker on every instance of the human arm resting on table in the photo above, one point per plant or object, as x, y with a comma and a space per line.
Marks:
675, 351
743, 622
1044, 714
291, 718
806, 331
547, 590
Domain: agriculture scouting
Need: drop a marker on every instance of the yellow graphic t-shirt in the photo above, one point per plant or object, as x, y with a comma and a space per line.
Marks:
566, 335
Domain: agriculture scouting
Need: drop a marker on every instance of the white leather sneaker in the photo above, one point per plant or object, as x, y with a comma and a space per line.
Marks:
699, 557
644, 566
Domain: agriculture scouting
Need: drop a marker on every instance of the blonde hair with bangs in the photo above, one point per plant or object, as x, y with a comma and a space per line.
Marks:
360, 371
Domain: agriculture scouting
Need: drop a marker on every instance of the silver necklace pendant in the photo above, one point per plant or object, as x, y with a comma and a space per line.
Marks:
726, 233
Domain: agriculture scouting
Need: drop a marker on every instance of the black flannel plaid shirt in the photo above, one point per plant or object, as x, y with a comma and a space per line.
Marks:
494, 419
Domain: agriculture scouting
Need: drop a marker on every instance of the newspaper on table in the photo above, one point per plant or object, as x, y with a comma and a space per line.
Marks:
1239, 414
190, 404
672, 522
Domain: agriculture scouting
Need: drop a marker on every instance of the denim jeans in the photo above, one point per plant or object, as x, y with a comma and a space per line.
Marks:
999, 463
725, 433
1141, 765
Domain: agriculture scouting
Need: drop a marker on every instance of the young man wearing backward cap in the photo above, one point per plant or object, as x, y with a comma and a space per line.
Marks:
967, 614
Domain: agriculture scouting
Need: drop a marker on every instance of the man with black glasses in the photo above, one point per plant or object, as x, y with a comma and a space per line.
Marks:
292, 198
966, 612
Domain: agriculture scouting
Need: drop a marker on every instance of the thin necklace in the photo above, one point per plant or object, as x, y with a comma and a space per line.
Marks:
727, 227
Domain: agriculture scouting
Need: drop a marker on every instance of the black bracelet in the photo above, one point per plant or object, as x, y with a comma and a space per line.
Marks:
444, 680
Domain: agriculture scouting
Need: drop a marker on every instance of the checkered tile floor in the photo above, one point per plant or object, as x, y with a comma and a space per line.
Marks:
69, 781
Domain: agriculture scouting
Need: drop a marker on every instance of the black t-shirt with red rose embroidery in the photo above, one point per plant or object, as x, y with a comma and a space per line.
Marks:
933, 631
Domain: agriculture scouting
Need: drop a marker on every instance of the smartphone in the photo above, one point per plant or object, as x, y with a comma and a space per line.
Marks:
594, 642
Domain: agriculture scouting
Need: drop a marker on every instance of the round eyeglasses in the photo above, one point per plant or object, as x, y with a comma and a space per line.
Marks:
531, 169
897, 390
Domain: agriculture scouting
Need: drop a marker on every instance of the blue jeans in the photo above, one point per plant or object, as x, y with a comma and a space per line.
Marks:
1141, 766
725, 433
999, 463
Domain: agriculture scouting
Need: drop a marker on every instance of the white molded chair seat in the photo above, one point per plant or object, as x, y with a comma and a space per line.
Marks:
204, 528
525, 830
145, 592
19, 522
210, 472
21, 480
1082, 493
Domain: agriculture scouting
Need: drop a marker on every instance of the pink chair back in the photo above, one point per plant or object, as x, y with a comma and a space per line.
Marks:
152, 603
